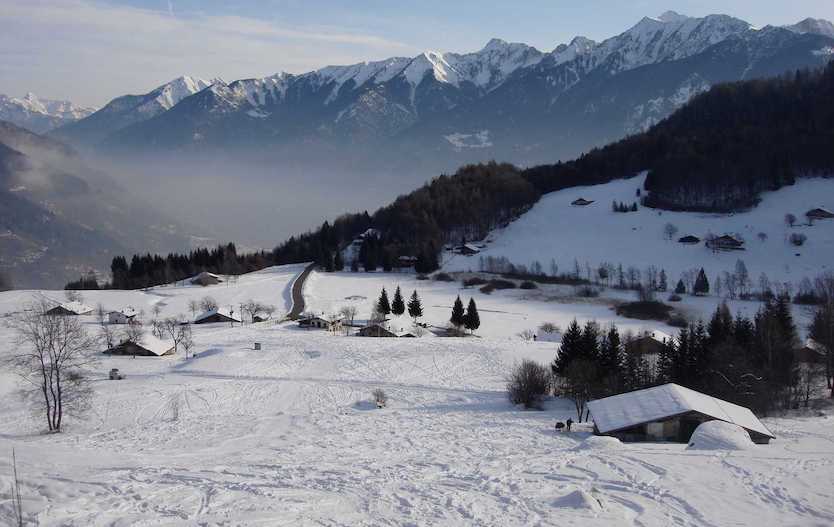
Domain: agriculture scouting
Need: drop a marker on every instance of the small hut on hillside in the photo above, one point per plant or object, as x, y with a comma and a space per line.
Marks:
317, 322
216, 315
725, 243
205, 279
581, 202
70, 309
375, 330
648, 343
811, 352
125, 316
669, 413
468, 249
819, 214
150, 346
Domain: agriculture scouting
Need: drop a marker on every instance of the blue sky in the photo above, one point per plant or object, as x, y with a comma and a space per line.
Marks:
92, 50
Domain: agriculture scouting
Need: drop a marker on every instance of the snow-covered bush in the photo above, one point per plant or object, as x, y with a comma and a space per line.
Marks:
528, 384
798, 239
719, 435
380, 397
528, 284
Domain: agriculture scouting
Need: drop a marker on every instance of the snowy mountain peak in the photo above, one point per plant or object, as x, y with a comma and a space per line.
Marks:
40, 115
672, 16
815, 26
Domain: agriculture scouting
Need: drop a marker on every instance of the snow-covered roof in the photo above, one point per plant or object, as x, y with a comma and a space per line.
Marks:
814, 345
219, 311
128, 312
658, 335
77, 307
643, 406
155, 345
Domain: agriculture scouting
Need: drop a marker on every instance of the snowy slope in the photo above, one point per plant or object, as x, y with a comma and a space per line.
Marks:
288, 434
553, 229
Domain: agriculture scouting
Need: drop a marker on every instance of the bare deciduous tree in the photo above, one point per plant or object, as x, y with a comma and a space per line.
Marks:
348, 313
208, 303
193, 306
172, 328
73, 296
669, 231
51, 354
790, 220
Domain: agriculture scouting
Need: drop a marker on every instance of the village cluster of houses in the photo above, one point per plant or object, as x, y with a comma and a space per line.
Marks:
336, 324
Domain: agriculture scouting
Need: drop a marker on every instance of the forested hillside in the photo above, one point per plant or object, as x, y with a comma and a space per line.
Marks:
722, 149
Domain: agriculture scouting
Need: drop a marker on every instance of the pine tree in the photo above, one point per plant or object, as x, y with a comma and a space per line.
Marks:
589, 343
458, 314
680, 289
471, 320
701, 286
664, 284
397, 305
569, 350
415, 307
383, 307
338, 263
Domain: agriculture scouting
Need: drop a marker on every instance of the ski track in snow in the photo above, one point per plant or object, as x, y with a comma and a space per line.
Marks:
288, 436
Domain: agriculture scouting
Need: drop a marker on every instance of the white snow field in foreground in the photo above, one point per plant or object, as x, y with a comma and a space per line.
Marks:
553, 229
286, 435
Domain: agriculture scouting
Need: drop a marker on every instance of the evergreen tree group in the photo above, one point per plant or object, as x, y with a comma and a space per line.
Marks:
746, 361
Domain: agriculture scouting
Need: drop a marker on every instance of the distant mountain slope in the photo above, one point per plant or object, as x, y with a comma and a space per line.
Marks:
437, 110
129, 109
59, 217
40, 115
723, 148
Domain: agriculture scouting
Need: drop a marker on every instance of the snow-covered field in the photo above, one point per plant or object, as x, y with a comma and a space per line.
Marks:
553, 229
288, 436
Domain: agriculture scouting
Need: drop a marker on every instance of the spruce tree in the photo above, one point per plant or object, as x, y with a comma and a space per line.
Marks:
458, 314
397, 305
664, 284
338, 263
569, 350
589, 343
415, 307
680, 289
383, 307
471, 320
701, 286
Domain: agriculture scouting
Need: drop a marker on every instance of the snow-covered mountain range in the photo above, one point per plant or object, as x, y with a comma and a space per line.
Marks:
507, 100
40, 115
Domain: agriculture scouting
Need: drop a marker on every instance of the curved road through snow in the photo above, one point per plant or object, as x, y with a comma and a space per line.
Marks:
298, 293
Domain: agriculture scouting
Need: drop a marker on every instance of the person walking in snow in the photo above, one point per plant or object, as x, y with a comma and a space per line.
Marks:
569, 422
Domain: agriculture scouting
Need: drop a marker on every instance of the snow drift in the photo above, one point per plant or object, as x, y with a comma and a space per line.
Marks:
718, 435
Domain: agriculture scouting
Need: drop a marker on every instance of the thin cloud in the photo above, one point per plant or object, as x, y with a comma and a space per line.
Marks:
95, 51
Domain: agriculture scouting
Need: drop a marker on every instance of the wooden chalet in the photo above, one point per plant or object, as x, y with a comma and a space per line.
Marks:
725, 243
819, 214
215, 316
689, 240
810, 353
316, 322
468, 249
125, 316
669, 413
149, 347
375, 330
205, 279
581, 202
648, 343
70, 309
